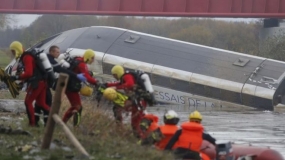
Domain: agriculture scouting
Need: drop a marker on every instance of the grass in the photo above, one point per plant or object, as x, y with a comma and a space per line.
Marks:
5, 94
5, 59
102, 138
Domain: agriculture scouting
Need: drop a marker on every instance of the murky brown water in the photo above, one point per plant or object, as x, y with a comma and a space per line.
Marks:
255, 127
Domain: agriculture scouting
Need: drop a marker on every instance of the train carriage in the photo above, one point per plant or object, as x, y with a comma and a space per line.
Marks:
182, 68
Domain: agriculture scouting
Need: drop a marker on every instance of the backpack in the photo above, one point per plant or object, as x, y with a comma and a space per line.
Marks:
41, 72
141, 90
138, 80
74, 84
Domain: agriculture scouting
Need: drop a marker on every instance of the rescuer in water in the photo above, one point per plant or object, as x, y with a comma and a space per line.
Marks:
54, 52
78, 65
138, 88
161, 136
148, 124
189, 138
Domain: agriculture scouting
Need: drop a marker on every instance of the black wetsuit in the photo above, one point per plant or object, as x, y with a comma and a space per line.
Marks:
58, 69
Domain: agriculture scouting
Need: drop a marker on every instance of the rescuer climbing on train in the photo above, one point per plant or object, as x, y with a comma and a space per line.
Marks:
78, 65
189, 138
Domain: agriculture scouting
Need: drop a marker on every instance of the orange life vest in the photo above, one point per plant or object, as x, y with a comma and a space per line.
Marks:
168, 131
154, 125
191, 136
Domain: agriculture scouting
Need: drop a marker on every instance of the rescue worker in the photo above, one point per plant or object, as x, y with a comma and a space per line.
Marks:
189, 138
17, 50
169, 128
74, 85
128, 82
54, 52
122, 103
148, 124
31, 71
161, 136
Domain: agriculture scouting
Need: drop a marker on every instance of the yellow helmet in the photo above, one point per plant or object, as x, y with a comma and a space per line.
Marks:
88, 55
17, 47
110, 94
118, 70
86, 91
195, 116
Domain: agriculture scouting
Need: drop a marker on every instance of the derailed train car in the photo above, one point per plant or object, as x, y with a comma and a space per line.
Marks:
179, 69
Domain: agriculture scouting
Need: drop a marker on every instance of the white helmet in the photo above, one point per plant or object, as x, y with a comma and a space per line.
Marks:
170, 114
171, 117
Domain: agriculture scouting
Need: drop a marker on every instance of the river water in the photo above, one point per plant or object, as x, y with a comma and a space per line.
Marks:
259, 128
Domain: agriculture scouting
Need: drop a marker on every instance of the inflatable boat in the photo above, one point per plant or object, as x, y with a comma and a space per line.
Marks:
231, 151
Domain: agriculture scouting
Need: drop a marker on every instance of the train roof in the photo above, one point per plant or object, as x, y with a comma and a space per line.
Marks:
189, 57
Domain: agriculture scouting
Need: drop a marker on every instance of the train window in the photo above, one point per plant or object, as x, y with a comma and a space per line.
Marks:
132, 39
107, 68
45, 42
212, 92
241, 62
60, 39
180, 85
160, 80
248, 100
197, 89
263, 103
230, 96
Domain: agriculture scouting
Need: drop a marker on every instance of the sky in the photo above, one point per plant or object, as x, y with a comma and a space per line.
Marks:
27, 19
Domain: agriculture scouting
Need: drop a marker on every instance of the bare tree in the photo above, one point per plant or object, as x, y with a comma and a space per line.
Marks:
6, 19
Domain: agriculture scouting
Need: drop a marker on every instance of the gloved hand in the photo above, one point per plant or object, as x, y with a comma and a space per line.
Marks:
91, 73
102, 85
13, 78
81, 77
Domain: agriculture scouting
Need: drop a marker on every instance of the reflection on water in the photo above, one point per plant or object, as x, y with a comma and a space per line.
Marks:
264, 129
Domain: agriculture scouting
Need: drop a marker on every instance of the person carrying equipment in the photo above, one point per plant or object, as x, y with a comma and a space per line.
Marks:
35, 70
12, 86
138, 88
78, 65
136, 84
122, 103
189, 138
54, 52
17, 50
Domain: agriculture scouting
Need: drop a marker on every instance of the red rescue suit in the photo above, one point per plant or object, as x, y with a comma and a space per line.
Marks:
74, 97
34, 92
168, 131
127, 83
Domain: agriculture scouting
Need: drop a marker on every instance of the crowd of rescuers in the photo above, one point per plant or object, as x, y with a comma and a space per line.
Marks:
33, 71
32, 75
